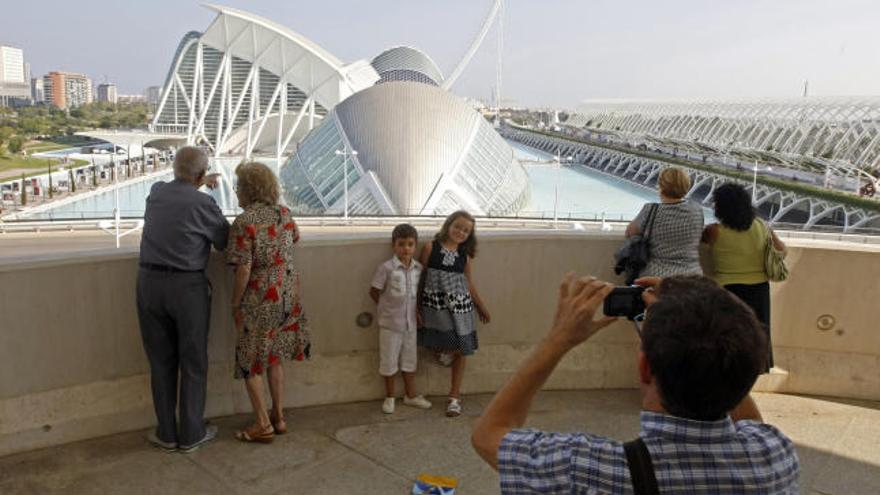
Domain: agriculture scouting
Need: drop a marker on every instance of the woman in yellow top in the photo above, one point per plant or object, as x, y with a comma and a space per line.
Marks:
737, 246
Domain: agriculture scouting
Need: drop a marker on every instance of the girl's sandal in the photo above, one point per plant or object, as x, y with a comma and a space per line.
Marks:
256, 433
278, 424
453, 407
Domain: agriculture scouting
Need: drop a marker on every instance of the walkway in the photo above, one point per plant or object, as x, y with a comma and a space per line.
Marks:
354, 449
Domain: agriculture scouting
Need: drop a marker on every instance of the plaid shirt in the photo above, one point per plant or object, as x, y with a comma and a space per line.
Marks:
693, 457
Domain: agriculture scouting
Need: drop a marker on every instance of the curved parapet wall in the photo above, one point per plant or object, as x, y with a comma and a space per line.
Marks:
72, 364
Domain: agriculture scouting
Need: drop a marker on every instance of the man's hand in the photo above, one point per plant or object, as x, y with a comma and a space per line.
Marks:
579, 299
651, 284
211, 181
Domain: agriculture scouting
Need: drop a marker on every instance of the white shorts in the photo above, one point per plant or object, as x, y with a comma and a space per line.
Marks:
397, 352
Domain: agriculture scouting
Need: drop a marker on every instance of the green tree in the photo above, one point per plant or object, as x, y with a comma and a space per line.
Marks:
15, 144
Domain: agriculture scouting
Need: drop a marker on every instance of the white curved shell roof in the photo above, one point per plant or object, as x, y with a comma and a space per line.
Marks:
405, 58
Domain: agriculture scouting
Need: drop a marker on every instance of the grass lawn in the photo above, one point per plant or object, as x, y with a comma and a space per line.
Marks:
55, 144
9, 162
36, 166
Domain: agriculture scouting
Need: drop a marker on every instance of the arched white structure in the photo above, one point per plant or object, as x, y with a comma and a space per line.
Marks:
248, 84
812, 133
497, 7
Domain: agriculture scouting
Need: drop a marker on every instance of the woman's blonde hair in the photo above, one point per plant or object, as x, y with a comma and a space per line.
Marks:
674, 182
257, 183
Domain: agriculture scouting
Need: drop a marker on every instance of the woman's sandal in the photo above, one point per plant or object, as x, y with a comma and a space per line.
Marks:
278, 424
256, 433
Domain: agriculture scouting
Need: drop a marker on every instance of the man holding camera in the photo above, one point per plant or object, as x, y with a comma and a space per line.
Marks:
701, 352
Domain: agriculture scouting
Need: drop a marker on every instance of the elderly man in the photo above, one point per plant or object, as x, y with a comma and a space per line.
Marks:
702, 350
174, 298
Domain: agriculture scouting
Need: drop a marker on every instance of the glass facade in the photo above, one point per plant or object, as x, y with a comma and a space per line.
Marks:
313, 178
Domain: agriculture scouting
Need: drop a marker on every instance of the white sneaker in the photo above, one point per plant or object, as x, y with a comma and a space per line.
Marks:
210, 434
453, 407
418, 401
388, 405
153, 438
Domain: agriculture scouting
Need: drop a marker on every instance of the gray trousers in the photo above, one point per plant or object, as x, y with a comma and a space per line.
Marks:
174, 311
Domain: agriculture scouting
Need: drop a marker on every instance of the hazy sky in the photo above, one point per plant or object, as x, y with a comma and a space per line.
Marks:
556, 52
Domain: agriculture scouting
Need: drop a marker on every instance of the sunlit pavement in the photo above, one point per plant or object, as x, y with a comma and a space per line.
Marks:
355, 448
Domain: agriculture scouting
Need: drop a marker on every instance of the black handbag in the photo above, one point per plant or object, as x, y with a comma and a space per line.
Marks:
633, 255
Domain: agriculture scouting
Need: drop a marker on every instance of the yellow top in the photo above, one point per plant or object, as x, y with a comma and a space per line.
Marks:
739, 256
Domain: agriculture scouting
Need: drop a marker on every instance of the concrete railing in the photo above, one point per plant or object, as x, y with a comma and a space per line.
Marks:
72, 365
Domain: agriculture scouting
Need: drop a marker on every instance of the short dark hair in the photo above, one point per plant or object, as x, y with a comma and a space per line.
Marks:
404, 231
705, 348
733, 206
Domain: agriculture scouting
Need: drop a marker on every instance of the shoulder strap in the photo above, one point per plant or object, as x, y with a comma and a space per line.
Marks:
649, 224
641, 470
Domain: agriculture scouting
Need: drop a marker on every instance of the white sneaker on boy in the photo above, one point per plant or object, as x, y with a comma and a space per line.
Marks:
388, 405
418, 401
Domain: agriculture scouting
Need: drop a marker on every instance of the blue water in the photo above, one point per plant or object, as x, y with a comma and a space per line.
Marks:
583, 193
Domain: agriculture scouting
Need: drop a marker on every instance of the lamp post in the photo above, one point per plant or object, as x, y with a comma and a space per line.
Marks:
345, 153
755, 180
559, 161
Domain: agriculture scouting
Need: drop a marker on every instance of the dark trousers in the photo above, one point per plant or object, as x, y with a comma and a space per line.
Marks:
757, 297
174, 311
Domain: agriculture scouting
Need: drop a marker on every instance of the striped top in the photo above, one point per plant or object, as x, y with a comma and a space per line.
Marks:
689, 456
738, 256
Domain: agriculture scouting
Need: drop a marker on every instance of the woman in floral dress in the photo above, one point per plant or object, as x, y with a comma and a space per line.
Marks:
266, 307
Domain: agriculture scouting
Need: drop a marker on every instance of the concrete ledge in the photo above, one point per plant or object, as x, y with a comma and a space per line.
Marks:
72, 365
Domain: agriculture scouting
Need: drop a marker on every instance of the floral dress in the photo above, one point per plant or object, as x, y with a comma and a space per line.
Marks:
275, 326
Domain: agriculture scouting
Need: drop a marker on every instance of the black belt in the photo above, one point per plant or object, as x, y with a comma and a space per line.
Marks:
166, 269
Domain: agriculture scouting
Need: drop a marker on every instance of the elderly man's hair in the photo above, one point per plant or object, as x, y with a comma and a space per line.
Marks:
190, 163
705, 348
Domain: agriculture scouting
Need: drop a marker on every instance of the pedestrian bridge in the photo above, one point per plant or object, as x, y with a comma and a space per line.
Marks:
780, 206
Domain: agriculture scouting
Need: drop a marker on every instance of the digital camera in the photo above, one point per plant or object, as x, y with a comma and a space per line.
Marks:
625, 301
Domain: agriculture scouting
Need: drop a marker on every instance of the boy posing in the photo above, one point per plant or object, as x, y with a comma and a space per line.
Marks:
394, 288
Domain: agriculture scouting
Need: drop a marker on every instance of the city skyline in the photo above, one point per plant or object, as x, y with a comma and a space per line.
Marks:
552, 50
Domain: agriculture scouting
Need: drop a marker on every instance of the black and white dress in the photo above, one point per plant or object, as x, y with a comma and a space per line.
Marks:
446, 305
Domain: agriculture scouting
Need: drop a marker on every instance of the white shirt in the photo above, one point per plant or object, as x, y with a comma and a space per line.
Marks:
399, 286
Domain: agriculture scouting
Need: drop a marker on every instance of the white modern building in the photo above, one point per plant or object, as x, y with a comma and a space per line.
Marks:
249, 87
14, 85
107, 93
152, 94
817, 134
38, 93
